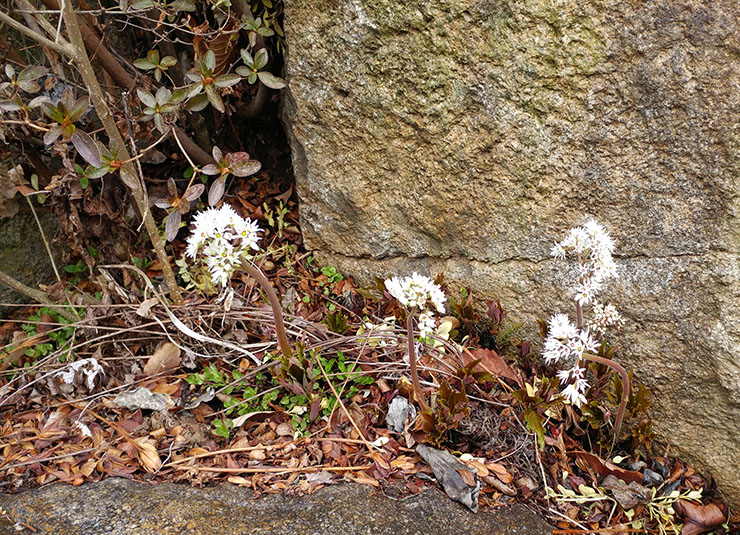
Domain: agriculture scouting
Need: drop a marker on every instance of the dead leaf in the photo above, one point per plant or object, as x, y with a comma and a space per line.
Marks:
491, 362
628, 495
699, 518
607, 468
166, 358
448, 470
146, 452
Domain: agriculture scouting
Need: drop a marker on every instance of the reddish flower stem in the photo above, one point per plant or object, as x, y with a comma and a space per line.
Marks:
626, 388
412, 362
256, 273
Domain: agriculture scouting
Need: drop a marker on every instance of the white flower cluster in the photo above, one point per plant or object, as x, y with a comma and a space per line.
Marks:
427, 324
605, 316
416, 291
223, 237
566, 343
593, 247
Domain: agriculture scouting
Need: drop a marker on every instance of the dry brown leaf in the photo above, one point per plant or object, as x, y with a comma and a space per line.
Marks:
607, 468
88, 468
491, 362
166, 358
699, 518
468, 477
146, 452
482, 470
238, 480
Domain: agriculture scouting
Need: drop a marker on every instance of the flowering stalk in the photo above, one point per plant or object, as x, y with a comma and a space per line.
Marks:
223, 240
256, 273
593, 247
412, 363
415, 293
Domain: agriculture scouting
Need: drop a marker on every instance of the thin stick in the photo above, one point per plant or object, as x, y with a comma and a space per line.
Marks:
369, 446
128, 172
228, 450
62, 47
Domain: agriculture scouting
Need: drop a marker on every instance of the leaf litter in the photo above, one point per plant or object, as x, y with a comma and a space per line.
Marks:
149, 382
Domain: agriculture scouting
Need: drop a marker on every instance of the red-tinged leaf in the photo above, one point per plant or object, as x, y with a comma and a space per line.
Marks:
606, 468
193, 192
246, 168
211, 169
172, 225
172, 187
25, 190
67, 131
87, 148
162, 203
78, 108
216, 192
31, 73
491, 362
217, 153
699, 518
52, 134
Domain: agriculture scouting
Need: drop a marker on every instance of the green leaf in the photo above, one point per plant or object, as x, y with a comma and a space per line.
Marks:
197, 103
153, 56
247, 57
163, 96
168, 61
147, 98
227, 80
271, 81
78, 108
214, 98
534, 424
144, 65
84, 182
183, 5
32, 72
260, 58
142, 4
210, 60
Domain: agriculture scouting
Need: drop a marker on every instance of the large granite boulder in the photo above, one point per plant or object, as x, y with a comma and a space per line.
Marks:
469, 136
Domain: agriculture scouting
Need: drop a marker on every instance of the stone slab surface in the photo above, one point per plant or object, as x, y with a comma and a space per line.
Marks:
121, 507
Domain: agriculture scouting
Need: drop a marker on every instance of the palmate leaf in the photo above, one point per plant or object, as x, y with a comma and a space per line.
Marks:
86, 147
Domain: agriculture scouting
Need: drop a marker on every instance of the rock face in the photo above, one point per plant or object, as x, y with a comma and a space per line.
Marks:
23, 254
467, 137
122, 507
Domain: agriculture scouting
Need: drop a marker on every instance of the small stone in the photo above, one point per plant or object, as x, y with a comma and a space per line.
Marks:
650, 478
